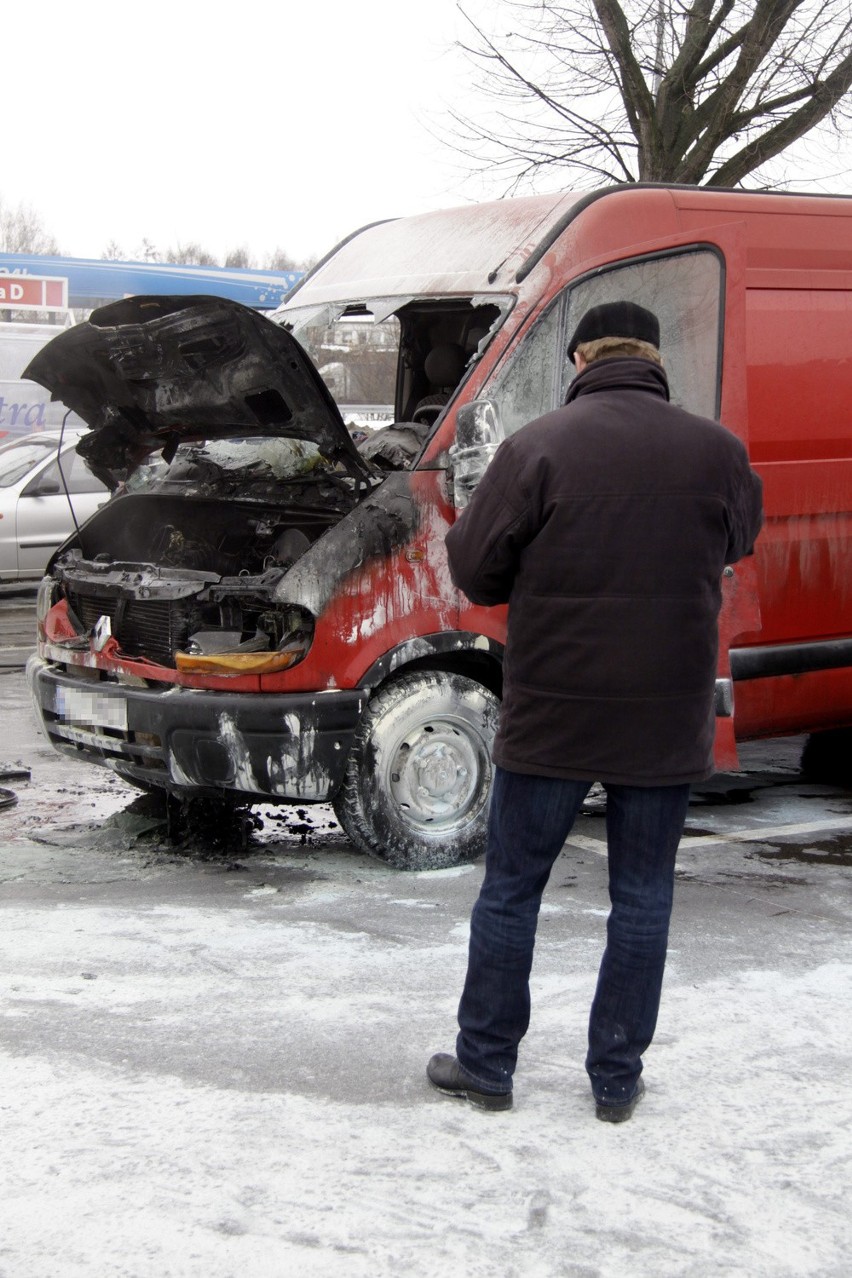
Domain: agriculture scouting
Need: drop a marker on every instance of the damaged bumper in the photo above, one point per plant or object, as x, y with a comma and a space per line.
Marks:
270, 747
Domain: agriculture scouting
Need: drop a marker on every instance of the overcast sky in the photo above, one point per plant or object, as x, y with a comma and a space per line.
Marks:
261, 123
265, 123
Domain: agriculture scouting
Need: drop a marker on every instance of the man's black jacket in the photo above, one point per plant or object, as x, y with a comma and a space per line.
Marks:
606, 526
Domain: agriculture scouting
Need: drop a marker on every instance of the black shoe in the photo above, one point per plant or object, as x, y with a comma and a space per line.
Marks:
445, 1073
620, 1111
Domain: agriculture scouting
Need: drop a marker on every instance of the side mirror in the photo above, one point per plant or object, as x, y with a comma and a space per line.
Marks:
479, 433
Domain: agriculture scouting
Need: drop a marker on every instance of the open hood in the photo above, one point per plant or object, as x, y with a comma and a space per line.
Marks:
149, 373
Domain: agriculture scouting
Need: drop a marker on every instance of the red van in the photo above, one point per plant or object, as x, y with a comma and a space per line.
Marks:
263, 610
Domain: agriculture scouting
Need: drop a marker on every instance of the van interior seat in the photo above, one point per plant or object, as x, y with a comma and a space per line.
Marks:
444, 367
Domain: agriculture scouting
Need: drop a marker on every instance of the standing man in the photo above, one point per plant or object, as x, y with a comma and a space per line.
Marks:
605, 526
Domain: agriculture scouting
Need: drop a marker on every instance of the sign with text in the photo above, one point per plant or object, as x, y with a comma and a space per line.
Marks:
33, 292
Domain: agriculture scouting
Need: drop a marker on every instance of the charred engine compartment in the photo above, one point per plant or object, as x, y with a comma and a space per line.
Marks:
188, 575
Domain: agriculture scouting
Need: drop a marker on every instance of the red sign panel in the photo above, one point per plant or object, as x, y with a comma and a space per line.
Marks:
33, 292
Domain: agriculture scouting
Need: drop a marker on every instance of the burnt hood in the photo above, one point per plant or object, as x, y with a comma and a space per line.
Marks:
149, 373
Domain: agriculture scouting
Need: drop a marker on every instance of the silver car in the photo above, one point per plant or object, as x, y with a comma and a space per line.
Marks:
42, 498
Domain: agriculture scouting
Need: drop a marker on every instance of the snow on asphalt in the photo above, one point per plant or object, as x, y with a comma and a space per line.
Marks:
239, 1090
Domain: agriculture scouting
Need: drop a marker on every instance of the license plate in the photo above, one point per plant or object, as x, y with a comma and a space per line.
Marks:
90, 709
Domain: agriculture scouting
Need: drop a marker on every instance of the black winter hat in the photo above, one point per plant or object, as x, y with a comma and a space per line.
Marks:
616, 319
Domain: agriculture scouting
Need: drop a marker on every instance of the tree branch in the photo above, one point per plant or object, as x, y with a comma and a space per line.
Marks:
756, 152
570, 85
636, 94
712, 119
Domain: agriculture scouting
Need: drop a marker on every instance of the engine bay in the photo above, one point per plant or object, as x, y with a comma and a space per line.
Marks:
193, 576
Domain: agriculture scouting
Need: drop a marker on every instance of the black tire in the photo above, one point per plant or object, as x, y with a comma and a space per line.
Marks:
827, 757
417, 784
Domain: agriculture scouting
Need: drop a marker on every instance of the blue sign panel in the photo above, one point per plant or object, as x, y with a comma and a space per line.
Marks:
91, 281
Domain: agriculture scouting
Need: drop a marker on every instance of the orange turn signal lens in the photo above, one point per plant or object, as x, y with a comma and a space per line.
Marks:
236, 663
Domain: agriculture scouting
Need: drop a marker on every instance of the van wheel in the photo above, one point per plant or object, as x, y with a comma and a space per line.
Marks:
417, 784
826, 757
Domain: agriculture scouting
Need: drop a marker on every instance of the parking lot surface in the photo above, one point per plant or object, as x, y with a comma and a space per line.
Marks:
213, 1058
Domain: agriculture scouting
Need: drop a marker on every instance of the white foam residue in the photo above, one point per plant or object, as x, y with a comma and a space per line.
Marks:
244, 778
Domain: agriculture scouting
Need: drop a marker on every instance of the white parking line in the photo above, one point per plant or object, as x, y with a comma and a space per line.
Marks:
759, 834
767, 833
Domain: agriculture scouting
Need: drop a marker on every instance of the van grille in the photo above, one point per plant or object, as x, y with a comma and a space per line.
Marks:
152, 628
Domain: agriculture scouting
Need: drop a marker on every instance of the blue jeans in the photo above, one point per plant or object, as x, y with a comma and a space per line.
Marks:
531, 817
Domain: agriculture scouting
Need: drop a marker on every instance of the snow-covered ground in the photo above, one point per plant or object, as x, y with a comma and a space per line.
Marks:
221, 1072
216, 1067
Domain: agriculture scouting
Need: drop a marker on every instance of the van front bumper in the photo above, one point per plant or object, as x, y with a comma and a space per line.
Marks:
264, 747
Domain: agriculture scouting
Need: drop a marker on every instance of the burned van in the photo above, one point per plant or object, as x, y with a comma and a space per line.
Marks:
263, 610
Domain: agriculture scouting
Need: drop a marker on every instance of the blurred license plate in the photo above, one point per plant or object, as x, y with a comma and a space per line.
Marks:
90, 709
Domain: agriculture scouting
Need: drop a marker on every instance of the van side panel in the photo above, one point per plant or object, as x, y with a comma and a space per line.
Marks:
798, 343
791, 349
798, 340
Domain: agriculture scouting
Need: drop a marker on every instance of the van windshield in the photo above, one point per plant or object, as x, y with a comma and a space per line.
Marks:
356, 356
397, 359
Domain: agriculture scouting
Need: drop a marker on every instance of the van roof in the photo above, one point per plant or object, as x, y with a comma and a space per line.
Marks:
452, 252
491, 247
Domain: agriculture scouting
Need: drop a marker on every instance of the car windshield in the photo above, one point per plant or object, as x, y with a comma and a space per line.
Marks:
17, 460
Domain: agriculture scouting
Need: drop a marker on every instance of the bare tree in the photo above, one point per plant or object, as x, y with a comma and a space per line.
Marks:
695, 91
22, 231
238, 258
146, 252
192, 253
189, 254
280, 260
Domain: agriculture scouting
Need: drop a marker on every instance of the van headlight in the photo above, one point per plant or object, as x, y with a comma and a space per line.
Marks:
48, 594
282, 639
